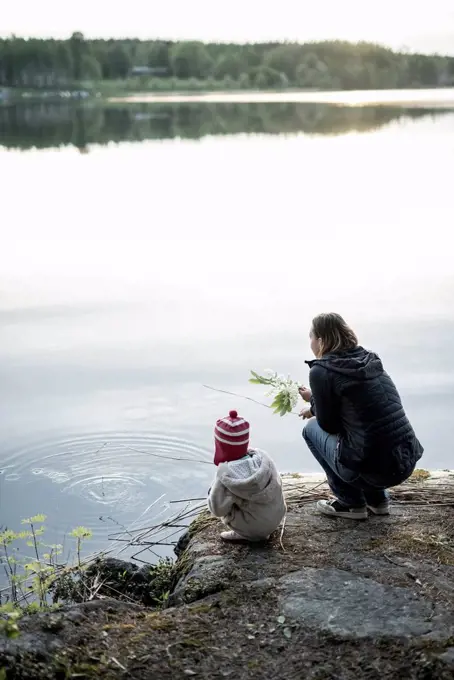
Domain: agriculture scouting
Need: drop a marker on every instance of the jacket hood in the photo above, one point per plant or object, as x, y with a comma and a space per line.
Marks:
252, 488
357, 363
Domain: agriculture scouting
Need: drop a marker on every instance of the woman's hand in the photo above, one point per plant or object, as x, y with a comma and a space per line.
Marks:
306, 413
305, 393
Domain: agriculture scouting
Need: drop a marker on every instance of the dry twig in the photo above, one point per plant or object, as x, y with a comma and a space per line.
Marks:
282, 534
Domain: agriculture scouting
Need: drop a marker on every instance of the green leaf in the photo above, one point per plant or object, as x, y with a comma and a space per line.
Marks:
24, 534
259, 379
32, 566
81, 532
7, 537
36, 519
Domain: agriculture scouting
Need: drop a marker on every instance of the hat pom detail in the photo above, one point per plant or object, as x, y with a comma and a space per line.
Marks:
233, 415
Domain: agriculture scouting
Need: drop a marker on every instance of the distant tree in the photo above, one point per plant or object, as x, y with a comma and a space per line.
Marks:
190, 59
229, 64
284, 59
8, 63
244, 81
159, 55
267, 77
422, 70
429, 72
312, 72
120, 62
64, 62
229, 83
78, 49
322, 65
90, 67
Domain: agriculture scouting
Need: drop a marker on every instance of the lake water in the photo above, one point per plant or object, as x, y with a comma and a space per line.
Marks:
149, 250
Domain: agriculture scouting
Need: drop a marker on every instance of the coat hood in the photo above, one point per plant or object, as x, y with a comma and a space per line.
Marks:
256, 486
357, 363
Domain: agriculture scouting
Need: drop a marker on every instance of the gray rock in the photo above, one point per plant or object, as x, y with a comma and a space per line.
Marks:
108, 604
261, 584
448, 656
76, 616
124, 578
198, 548
353, 606
208, 575
439, 576
38, 644
112, 568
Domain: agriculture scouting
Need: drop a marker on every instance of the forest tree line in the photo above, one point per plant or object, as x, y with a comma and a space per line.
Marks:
44, 63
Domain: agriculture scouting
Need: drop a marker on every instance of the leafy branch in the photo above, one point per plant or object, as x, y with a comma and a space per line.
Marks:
284, 390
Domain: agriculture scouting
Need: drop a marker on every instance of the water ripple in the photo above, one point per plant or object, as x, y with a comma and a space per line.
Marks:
112, 469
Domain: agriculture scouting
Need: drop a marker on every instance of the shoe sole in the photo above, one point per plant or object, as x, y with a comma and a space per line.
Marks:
378, 512
240, 539
343, 515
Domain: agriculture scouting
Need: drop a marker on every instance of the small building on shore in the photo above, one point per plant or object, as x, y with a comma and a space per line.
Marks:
151, 71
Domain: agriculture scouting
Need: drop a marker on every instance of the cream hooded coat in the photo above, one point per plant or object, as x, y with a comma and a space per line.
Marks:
247, 495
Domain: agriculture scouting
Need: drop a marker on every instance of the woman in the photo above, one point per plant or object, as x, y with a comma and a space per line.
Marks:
359, 434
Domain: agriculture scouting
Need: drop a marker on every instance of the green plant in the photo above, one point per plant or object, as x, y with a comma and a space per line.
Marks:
9, 616
36, 580
80, 534
39, 572
163, 599
162, 580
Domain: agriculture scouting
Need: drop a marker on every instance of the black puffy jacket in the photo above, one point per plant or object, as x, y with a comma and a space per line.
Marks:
354, 397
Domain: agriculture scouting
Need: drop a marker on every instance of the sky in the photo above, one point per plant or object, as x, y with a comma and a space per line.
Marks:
424, 26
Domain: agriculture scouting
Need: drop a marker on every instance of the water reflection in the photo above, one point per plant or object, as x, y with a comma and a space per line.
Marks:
44, 124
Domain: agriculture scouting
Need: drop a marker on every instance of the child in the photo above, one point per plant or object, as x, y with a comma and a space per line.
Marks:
247, 492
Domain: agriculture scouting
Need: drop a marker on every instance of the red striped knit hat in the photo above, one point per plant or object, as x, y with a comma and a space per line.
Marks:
231, 438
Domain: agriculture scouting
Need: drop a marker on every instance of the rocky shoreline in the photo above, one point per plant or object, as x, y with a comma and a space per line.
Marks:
324, 599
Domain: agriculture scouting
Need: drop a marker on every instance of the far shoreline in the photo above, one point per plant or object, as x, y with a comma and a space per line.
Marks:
442, 98
416, 98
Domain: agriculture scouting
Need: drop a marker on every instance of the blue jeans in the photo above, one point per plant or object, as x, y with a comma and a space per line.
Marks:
348, 486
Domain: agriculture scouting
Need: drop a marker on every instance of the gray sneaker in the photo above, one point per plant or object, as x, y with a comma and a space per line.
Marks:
382, 509
336, 509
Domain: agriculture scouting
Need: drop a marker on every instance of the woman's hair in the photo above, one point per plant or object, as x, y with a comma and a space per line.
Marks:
334, 334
